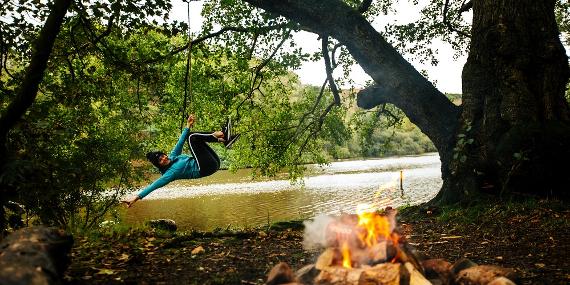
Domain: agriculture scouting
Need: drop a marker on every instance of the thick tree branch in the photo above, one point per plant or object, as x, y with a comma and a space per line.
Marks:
364, 6
402, 84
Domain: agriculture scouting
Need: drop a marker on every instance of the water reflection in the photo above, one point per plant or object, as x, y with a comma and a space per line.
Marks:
232, 200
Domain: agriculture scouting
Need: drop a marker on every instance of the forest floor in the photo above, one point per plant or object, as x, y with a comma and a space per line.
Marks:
531, 237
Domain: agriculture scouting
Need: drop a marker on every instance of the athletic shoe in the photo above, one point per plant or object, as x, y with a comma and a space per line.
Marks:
227, 130
229, 142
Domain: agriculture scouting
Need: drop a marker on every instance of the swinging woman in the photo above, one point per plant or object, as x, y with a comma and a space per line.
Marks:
203, 162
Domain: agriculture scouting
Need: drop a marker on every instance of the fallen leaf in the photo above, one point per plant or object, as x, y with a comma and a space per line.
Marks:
198, 250
451, 237
106, 271
540, 265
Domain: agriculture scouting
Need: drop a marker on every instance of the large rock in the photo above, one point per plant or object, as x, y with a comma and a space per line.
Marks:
35, 255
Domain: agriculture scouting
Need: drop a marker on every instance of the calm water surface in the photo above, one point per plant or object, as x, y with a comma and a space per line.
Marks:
228, 199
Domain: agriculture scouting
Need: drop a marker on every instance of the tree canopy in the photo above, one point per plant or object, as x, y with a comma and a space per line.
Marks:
88, 87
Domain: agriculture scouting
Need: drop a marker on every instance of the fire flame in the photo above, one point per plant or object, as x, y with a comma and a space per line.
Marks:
346, 259
372, 228
375, 225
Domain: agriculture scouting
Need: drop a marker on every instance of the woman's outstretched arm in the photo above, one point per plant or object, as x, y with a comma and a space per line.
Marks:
161, 181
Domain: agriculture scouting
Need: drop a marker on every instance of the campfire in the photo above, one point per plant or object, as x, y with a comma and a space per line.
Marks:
366, 248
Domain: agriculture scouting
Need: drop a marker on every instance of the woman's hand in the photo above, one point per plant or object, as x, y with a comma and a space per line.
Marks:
219, 135
130, 202
190, 121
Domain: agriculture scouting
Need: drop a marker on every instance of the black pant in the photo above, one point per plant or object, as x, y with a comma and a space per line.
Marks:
206, 158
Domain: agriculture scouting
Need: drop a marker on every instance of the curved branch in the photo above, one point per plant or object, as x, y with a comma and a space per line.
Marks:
333, 57
81, 11
466, 7
448, 24
329, 70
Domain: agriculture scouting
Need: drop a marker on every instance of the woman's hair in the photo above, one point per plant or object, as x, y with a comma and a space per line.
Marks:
154, 158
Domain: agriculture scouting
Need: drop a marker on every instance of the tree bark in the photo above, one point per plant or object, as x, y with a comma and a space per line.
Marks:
513, 98
26, 93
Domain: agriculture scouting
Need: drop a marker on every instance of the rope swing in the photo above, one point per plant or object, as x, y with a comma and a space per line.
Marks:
188, 75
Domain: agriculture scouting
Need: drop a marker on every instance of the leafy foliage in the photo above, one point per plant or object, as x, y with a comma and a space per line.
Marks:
105, 101
416, 38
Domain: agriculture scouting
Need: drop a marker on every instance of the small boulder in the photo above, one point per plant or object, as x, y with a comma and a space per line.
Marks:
163, 224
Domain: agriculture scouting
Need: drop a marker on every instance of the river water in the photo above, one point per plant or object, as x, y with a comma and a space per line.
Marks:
234, 200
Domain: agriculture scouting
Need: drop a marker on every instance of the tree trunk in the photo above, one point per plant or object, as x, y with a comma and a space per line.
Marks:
514, 121
513, 100
28, 89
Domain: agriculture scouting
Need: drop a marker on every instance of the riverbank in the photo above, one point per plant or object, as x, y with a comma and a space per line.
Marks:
531, 237
227, 198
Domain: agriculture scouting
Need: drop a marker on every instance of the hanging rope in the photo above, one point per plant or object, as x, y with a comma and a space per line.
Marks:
188, 76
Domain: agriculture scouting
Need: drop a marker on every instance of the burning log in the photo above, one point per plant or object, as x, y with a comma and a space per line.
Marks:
329, 257
380, 274
416, 277
407, 254
307, 274
366, 249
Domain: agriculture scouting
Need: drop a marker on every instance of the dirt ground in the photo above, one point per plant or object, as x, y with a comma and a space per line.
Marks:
535, 242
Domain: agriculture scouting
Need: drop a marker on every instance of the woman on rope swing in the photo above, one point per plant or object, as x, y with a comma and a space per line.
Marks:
203, 162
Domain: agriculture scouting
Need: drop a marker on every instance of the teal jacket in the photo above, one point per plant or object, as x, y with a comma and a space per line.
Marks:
182, 167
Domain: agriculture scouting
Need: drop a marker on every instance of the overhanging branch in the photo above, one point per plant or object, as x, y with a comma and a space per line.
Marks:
426, 107
257, 30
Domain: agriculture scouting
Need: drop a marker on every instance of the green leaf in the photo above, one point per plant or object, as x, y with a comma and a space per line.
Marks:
106, 271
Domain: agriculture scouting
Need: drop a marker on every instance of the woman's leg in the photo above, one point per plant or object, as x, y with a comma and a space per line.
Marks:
206, 158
